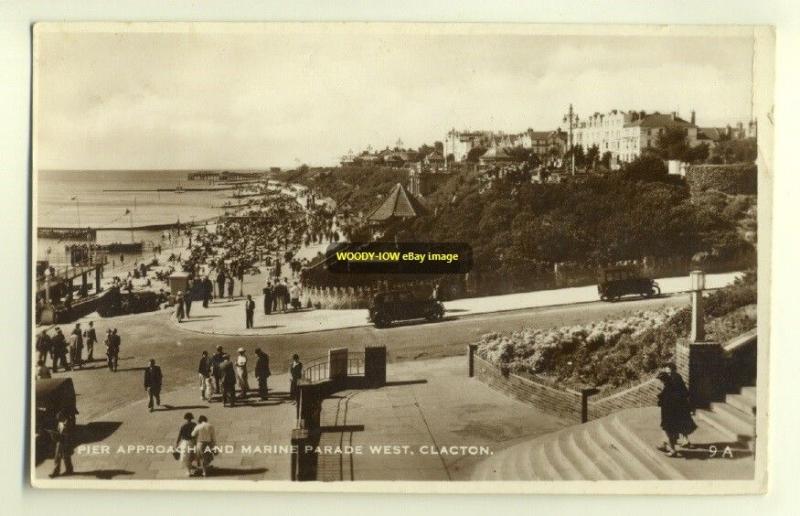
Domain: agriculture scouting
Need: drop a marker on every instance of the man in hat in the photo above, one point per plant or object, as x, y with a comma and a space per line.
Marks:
204, 373
59, 351
249, 310
262, 372
44, 346
62, 436
216, 361
228, 377
152, 384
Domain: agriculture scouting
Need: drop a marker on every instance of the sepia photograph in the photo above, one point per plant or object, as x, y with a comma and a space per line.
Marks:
489, 258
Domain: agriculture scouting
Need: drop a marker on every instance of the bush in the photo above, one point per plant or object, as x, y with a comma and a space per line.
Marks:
740, 178
615, 352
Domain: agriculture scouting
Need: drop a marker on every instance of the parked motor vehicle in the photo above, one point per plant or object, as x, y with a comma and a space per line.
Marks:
53, 395
616, 282
401, 305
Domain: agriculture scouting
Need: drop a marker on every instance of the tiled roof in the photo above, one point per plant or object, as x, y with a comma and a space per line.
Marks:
659, 121
398, 204
496, 153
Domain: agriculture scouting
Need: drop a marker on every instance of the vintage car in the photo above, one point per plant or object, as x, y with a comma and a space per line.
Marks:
616, 282
400, 305
53, 395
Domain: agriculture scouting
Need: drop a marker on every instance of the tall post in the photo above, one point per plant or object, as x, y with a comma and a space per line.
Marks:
700, 362
571, 141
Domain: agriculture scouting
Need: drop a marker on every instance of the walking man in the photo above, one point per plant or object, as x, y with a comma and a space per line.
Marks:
64, 445
112, 350
206, 439
59, 350
228, 382
221, 283
152, 384
187, 299
262, 372
208, 291
216, 371
249, 309
91, 340
204, 373
268, 298
44, 346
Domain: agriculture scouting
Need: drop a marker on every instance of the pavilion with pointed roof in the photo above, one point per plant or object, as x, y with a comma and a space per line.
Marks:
399, 204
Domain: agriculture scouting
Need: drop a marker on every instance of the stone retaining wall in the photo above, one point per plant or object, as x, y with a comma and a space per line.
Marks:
560, 402
640, 395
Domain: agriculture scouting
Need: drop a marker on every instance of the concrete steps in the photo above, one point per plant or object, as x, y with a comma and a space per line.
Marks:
623, 446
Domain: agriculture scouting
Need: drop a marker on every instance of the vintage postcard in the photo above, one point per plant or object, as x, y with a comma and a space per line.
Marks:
478, 258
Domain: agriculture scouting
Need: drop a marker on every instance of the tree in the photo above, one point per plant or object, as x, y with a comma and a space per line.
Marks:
734, 151
580, 157
646, 168
605, 161
475, 154
592, 155
696, 154
671, 144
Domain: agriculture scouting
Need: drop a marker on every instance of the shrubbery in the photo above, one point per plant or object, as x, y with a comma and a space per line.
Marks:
740, 178
613, 353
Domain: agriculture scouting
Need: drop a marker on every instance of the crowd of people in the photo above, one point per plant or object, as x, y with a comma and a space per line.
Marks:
67, 352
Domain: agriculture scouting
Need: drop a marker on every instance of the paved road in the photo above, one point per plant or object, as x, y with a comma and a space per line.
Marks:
177, 351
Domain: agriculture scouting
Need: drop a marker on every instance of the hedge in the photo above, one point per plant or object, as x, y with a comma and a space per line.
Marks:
739, 178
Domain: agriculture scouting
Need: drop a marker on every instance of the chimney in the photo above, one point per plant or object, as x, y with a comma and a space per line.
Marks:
693, 118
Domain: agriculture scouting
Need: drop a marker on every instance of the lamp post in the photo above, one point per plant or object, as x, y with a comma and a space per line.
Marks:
697, 280
572, 119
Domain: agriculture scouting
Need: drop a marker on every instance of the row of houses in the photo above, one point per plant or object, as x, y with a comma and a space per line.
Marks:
626, 134
623, 134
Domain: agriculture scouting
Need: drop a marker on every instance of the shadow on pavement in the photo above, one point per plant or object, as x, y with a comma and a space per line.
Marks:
166, 407
342, 428
103, 474
404, 382
221, 472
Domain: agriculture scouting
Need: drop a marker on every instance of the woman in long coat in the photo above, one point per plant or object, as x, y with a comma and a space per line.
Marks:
676, 418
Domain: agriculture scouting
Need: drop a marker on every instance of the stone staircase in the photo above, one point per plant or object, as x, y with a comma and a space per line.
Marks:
622, 446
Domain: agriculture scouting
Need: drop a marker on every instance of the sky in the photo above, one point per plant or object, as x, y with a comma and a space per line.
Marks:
255, 99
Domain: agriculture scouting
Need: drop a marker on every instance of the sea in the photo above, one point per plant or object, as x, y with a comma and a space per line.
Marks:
116, 203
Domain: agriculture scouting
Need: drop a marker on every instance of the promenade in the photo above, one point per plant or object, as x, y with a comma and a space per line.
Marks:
425, 405
227, 317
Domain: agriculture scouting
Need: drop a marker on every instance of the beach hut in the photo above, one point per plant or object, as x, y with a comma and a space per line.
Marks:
178, 282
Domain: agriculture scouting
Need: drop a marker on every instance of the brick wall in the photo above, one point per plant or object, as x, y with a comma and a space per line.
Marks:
640, 395
559, 402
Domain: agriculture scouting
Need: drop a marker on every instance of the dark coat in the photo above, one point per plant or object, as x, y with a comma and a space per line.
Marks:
204, 367
262, 366
250, 306
676, 417
228, 374
152, 377
59, 344
43, 343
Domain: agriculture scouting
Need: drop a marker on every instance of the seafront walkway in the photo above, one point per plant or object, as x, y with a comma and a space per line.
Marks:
227, 317
425, 406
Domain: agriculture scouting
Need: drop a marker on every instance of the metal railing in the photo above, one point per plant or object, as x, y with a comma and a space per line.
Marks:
318, 369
